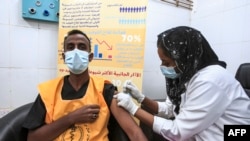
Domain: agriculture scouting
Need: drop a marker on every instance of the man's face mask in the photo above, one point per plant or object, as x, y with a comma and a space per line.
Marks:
169, 72
77, 60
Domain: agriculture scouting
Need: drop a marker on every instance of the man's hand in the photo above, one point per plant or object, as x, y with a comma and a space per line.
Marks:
85, 114
129, 87
125, 101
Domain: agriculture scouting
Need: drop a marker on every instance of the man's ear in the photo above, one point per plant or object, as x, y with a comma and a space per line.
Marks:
91, 56
63, 56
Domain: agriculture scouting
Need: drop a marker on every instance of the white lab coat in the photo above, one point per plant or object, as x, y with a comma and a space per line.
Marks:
213, 99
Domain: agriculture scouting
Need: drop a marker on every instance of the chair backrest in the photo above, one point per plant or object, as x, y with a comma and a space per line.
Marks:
11, 126
243, 76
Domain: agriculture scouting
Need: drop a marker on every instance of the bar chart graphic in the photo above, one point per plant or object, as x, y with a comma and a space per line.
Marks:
104, 54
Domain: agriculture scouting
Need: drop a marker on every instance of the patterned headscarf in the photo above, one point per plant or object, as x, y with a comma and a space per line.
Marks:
191, 52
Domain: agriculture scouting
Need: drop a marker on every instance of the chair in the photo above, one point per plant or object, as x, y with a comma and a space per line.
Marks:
243, 76
150, 134
11, 126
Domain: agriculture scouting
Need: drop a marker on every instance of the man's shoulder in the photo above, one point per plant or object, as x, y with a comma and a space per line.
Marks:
99, 78
54, 79
52, 83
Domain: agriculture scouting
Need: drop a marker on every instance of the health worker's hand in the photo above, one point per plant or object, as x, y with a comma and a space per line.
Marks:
124, 100
129, 87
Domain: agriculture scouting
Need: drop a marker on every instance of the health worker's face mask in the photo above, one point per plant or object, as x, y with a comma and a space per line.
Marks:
77, 60
169, 72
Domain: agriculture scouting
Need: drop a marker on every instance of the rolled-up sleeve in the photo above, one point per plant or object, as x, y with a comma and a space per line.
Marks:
161, 123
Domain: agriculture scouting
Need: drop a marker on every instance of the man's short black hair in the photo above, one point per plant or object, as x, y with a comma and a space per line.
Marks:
73, 32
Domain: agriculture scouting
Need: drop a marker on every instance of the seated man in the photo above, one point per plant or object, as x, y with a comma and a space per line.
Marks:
77, 106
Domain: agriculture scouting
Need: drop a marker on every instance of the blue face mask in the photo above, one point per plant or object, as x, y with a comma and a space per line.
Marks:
169, 72
77, 61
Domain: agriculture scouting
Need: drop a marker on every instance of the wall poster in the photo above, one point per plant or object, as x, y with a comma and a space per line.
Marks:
117, 32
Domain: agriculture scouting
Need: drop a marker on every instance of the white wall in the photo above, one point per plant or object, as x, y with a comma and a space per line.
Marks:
28, 50
225, 24
28, 55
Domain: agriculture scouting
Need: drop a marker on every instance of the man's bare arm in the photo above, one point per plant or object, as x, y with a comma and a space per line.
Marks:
127, 122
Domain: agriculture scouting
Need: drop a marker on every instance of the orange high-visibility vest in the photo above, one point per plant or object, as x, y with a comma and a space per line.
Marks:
56, 107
